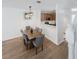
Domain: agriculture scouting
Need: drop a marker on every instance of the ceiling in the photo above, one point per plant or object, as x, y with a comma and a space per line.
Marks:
45, 4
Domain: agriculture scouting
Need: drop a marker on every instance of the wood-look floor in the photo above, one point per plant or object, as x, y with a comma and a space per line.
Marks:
15, 49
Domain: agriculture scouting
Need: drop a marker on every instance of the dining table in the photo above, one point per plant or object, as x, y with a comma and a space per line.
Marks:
32, 34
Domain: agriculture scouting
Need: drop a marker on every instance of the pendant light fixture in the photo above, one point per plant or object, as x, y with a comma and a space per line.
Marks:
29, 14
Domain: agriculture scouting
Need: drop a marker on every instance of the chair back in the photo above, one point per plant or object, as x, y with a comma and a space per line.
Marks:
39, 40
38, 29
22, 32
27, 27
25, 37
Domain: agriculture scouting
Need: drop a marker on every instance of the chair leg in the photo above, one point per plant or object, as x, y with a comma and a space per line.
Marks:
42, 46
27, 46
24, 42
30, 46
36, 51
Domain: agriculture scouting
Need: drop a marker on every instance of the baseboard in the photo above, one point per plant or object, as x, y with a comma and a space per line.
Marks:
54, 40
59, 42
11, 38
51, 39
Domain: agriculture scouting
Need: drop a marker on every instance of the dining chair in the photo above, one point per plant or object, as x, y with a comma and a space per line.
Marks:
27, 42
22, 32
37, 29
38, 42
28, 27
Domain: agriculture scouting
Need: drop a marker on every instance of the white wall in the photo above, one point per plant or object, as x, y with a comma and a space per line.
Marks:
60, 24
63, 20
13, 20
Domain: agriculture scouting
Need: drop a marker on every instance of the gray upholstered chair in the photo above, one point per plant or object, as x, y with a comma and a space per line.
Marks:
38, 42
27, 42
38, 29
22, 32
28, 27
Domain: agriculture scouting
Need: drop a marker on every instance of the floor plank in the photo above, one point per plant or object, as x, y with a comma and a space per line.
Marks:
15, 49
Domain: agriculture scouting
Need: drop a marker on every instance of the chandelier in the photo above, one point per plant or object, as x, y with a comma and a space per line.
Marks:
28, 15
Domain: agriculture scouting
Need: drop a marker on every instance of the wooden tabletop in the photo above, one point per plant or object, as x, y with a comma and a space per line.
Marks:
32, 35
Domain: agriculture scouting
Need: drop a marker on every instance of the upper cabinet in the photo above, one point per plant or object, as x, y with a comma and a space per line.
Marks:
48, 15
